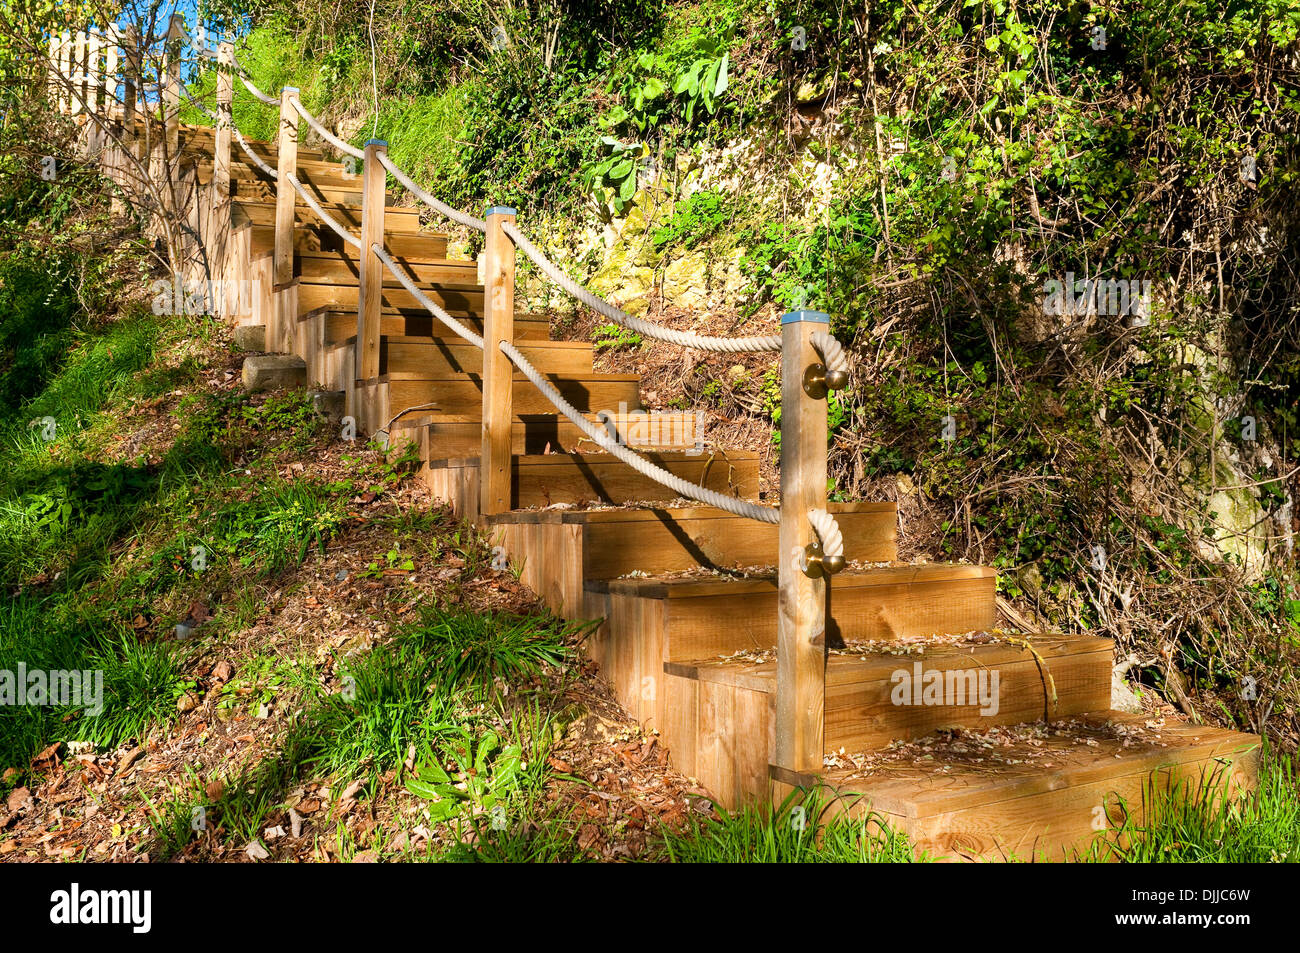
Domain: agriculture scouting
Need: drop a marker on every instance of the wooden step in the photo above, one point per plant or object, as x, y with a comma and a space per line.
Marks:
349, 216
876, 694
340, 326
244, 173
551, 433
330, 266
1044, 794
594, 544
590, 478
427, 246
698, 614
648, 622
205, 137
248, 190
306, 239
462, 394
417, 358
401, 246
458, 300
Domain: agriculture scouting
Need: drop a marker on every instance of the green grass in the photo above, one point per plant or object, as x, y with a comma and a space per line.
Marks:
1261, 828
801, 830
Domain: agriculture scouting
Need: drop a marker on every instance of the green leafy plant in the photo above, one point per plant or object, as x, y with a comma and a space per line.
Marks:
484, 772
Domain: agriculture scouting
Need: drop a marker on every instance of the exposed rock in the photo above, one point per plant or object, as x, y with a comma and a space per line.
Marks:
1123, 698
250, 337
272, 371
685, 282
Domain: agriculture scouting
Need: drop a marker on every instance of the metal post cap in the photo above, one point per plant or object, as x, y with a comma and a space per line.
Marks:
817, 317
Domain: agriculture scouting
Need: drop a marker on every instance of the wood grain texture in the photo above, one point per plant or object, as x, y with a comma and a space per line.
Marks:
801, 599
285, 201
498, 398
370, 280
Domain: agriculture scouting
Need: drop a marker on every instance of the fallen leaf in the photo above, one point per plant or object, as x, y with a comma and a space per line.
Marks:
129, 758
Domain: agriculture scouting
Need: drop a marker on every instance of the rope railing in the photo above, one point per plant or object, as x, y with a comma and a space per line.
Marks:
441, 208
424, 299
619, 316
324, 133
248, 150
684, 488
242, 75
342, 232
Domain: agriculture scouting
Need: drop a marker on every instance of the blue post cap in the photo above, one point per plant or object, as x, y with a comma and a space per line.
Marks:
376, 142
817, 317
499, 210
290, 89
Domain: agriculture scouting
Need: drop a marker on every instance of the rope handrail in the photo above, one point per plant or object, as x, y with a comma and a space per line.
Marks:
619, 316
831, 351
464, 218
421, 297
242, 75
248, 84
324, 133
343, 233
248, 150
692, 491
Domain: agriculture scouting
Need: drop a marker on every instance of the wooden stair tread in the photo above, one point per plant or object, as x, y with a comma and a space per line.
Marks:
850, 668
630, 514
569, 459
968, 770
695, 586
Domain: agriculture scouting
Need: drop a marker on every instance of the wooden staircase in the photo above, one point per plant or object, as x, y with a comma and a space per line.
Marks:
975, 742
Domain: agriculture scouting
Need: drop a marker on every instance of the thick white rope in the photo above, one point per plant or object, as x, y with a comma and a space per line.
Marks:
621, 317
325, 134
831, 350
248, 84
441, 208
239, 71
257, 160
216, 122
764, 514
828, 531
343, 233
421, 297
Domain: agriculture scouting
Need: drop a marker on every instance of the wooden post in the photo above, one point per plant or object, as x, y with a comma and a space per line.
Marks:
130, 87
220, 207
285, 197
370, 301
55, 81
498, 371
172, 93
801, 599
94, 77
112, 63
77, 74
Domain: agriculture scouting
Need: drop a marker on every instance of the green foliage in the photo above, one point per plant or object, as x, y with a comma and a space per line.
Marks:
475, 652
611, 337
694, 221
804, 828
482, 774
1259, 827
616, 171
